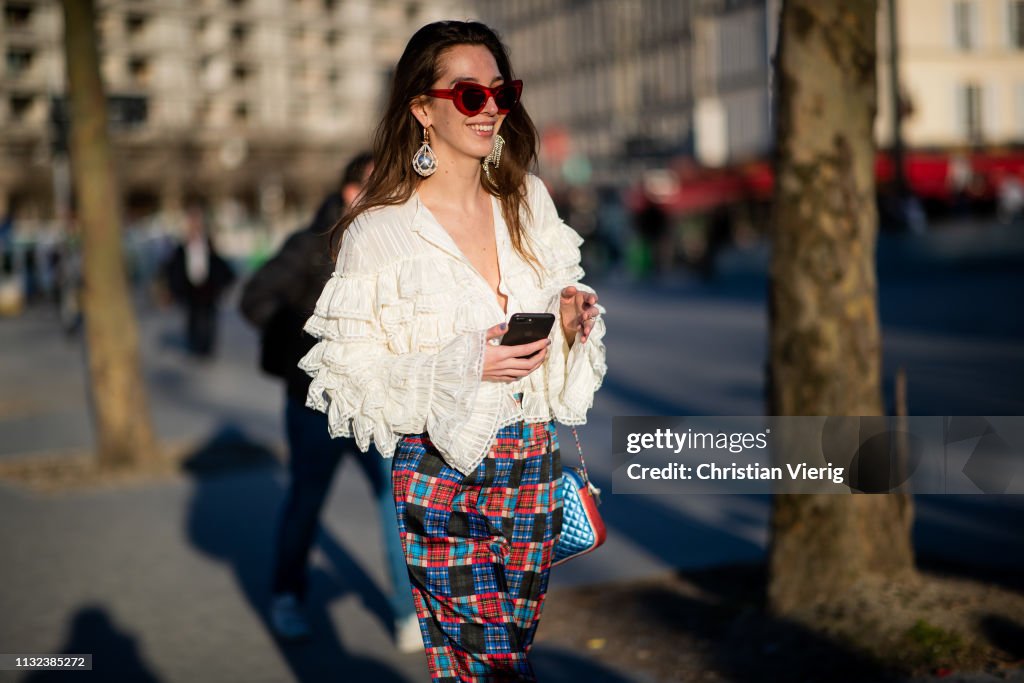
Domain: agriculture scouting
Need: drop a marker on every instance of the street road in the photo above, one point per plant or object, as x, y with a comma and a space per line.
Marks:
168, 579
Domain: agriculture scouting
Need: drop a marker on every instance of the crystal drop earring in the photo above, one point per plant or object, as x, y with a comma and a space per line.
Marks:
424, 161
494, 158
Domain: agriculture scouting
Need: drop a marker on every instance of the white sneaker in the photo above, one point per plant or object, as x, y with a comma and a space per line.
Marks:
407, 634
286, 618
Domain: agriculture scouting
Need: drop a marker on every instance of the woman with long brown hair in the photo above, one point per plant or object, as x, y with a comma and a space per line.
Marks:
452, 237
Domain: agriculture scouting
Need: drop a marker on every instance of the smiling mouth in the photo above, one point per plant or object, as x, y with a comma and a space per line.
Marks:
485, 128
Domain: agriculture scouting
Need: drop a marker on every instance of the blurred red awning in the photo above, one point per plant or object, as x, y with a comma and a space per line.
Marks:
701, 190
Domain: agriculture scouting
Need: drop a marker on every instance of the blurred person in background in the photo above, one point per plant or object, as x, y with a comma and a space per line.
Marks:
451, 238
278, 299
197, 277
959, 177
1010, 198
68, 273
612, 225
652, 226
11, 294
718, 236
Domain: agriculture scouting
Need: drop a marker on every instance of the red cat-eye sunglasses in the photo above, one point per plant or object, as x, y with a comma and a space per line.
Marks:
471, 98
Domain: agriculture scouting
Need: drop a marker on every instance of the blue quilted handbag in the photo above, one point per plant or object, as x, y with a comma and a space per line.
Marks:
583, 529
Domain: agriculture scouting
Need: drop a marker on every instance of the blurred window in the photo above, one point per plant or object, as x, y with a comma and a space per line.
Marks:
20, 106
239, 33
1020, 110
964, 23
19, 60
1016, 16
127, 111
138, 67
970, 106
134, 24
17, 16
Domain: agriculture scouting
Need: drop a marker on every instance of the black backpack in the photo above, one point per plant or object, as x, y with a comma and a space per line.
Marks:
283, 342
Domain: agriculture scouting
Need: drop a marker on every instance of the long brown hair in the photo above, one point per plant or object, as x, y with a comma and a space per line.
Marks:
399, 135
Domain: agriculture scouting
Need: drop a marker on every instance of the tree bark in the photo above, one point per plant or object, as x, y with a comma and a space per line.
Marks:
825, 341
124, 434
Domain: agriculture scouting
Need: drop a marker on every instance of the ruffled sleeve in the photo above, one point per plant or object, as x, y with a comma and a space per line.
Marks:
573, 375
371, 393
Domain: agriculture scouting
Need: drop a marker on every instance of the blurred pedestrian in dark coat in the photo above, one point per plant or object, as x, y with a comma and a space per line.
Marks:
652, 225
197, 277
278, 300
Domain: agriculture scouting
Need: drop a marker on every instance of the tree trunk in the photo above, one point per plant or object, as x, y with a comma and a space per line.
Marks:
825, 342
120, 411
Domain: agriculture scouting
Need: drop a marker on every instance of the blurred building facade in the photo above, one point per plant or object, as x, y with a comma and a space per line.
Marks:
961, 73
608, 83
732, 108
253, 105
960, 66
620, 86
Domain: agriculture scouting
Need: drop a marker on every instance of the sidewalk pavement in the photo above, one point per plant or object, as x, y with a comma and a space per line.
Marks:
167, 580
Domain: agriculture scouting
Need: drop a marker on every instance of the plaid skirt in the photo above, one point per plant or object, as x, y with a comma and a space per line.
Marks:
479, 549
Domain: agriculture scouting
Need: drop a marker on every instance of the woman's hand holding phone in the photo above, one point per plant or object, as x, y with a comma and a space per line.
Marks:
508, 363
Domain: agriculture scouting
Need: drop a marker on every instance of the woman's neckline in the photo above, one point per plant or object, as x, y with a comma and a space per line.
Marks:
495, 218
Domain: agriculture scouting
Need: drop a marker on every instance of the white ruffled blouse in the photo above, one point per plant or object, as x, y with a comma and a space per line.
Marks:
402, 325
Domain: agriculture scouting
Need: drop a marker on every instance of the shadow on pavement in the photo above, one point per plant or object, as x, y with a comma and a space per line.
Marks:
229, 449
978, 537
554, 664
116, 655
744, 642
1009, 577
1005, 634
672, 535
233, 516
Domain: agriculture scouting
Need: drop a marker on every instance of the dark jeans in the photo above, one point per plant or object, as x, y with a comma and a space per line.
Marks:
313, 459
201, 329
